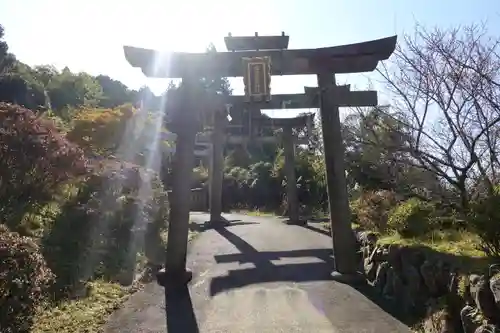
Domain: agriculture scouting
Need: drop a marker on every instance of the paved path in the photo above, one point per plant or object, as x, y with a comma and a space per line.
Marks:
257, 275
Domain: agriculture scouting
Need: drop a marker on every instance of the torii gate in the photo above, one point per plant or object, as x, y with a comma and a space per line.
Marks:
308, 100
251, 57
218, 138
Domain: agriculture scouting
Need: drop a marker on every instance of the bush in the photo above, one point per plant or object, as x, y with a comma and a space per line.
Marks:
24, 278
485, 221
371, 209
265, 189
255, 187
200, 177
34, 161
411, 218
235, 188
101, 131
117, 206
311, 184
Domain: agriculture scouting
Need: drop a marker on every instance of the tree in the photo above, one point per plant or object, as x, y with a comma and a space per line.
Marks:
19, 88
45, 74
17, 84
6, 58
446, 96
114, 92
217, 84
67, 89
147, 100
371, 149
377, 159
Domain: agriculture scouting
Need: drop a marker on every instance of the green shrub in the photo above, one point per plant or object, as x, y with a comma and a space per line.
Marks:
200, 177
35, 160
260, 186
371, 209
411, 218
484, 218
354, 206
235, 188
116, 208
24, 278
33, 223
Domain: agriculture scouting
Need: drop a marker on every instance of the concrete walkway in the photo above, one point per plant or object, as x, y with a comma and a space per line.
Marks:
257, 275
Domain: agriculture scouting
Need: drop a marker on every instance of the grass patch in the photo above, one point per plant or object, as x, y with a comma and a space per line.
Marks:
83, 315
457, 247
454, 242
90, 313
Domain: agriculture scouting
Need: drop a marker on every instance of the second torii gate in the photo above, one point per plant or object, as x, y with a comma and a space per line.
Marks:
216, 166
308, 100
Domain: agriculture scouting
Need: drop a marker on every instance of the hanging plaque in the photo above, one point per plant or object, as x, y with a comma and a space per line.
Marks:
257, 77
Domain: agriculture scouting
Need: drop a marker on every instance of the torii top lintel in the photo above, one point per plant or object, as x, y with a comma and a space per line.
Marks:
352, 58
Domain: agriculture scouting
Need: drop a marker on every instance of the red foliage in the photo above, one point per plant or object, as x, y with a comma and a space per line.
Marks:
24, 280
34, 160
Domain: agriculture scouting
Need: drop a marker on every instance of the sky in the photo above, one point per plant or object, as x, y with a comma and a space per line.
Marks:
89, 35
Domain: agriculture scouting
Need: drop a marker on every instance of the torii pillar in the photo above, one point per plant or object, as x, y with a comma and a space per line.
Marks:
291, 180
344, 242
217, 167
289, 142
185, 124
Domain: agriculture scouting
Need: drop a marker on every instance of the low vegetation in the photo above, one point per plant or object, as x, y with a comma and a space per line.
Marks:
75, 229
85, 314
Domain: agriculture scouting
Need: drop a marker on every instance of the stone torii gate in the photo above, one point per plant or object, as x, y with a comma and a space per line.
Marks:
289, 141
217, 138
251, 57
308, 100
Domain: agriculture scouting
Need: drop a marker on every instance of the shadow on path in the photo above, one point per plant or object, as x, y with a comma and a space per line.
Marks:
207, 225
179, 308
179, 311
265, 270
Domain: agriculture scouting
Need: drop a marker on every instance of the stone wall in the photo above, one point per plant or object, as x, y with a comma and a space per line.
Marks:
419, 284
